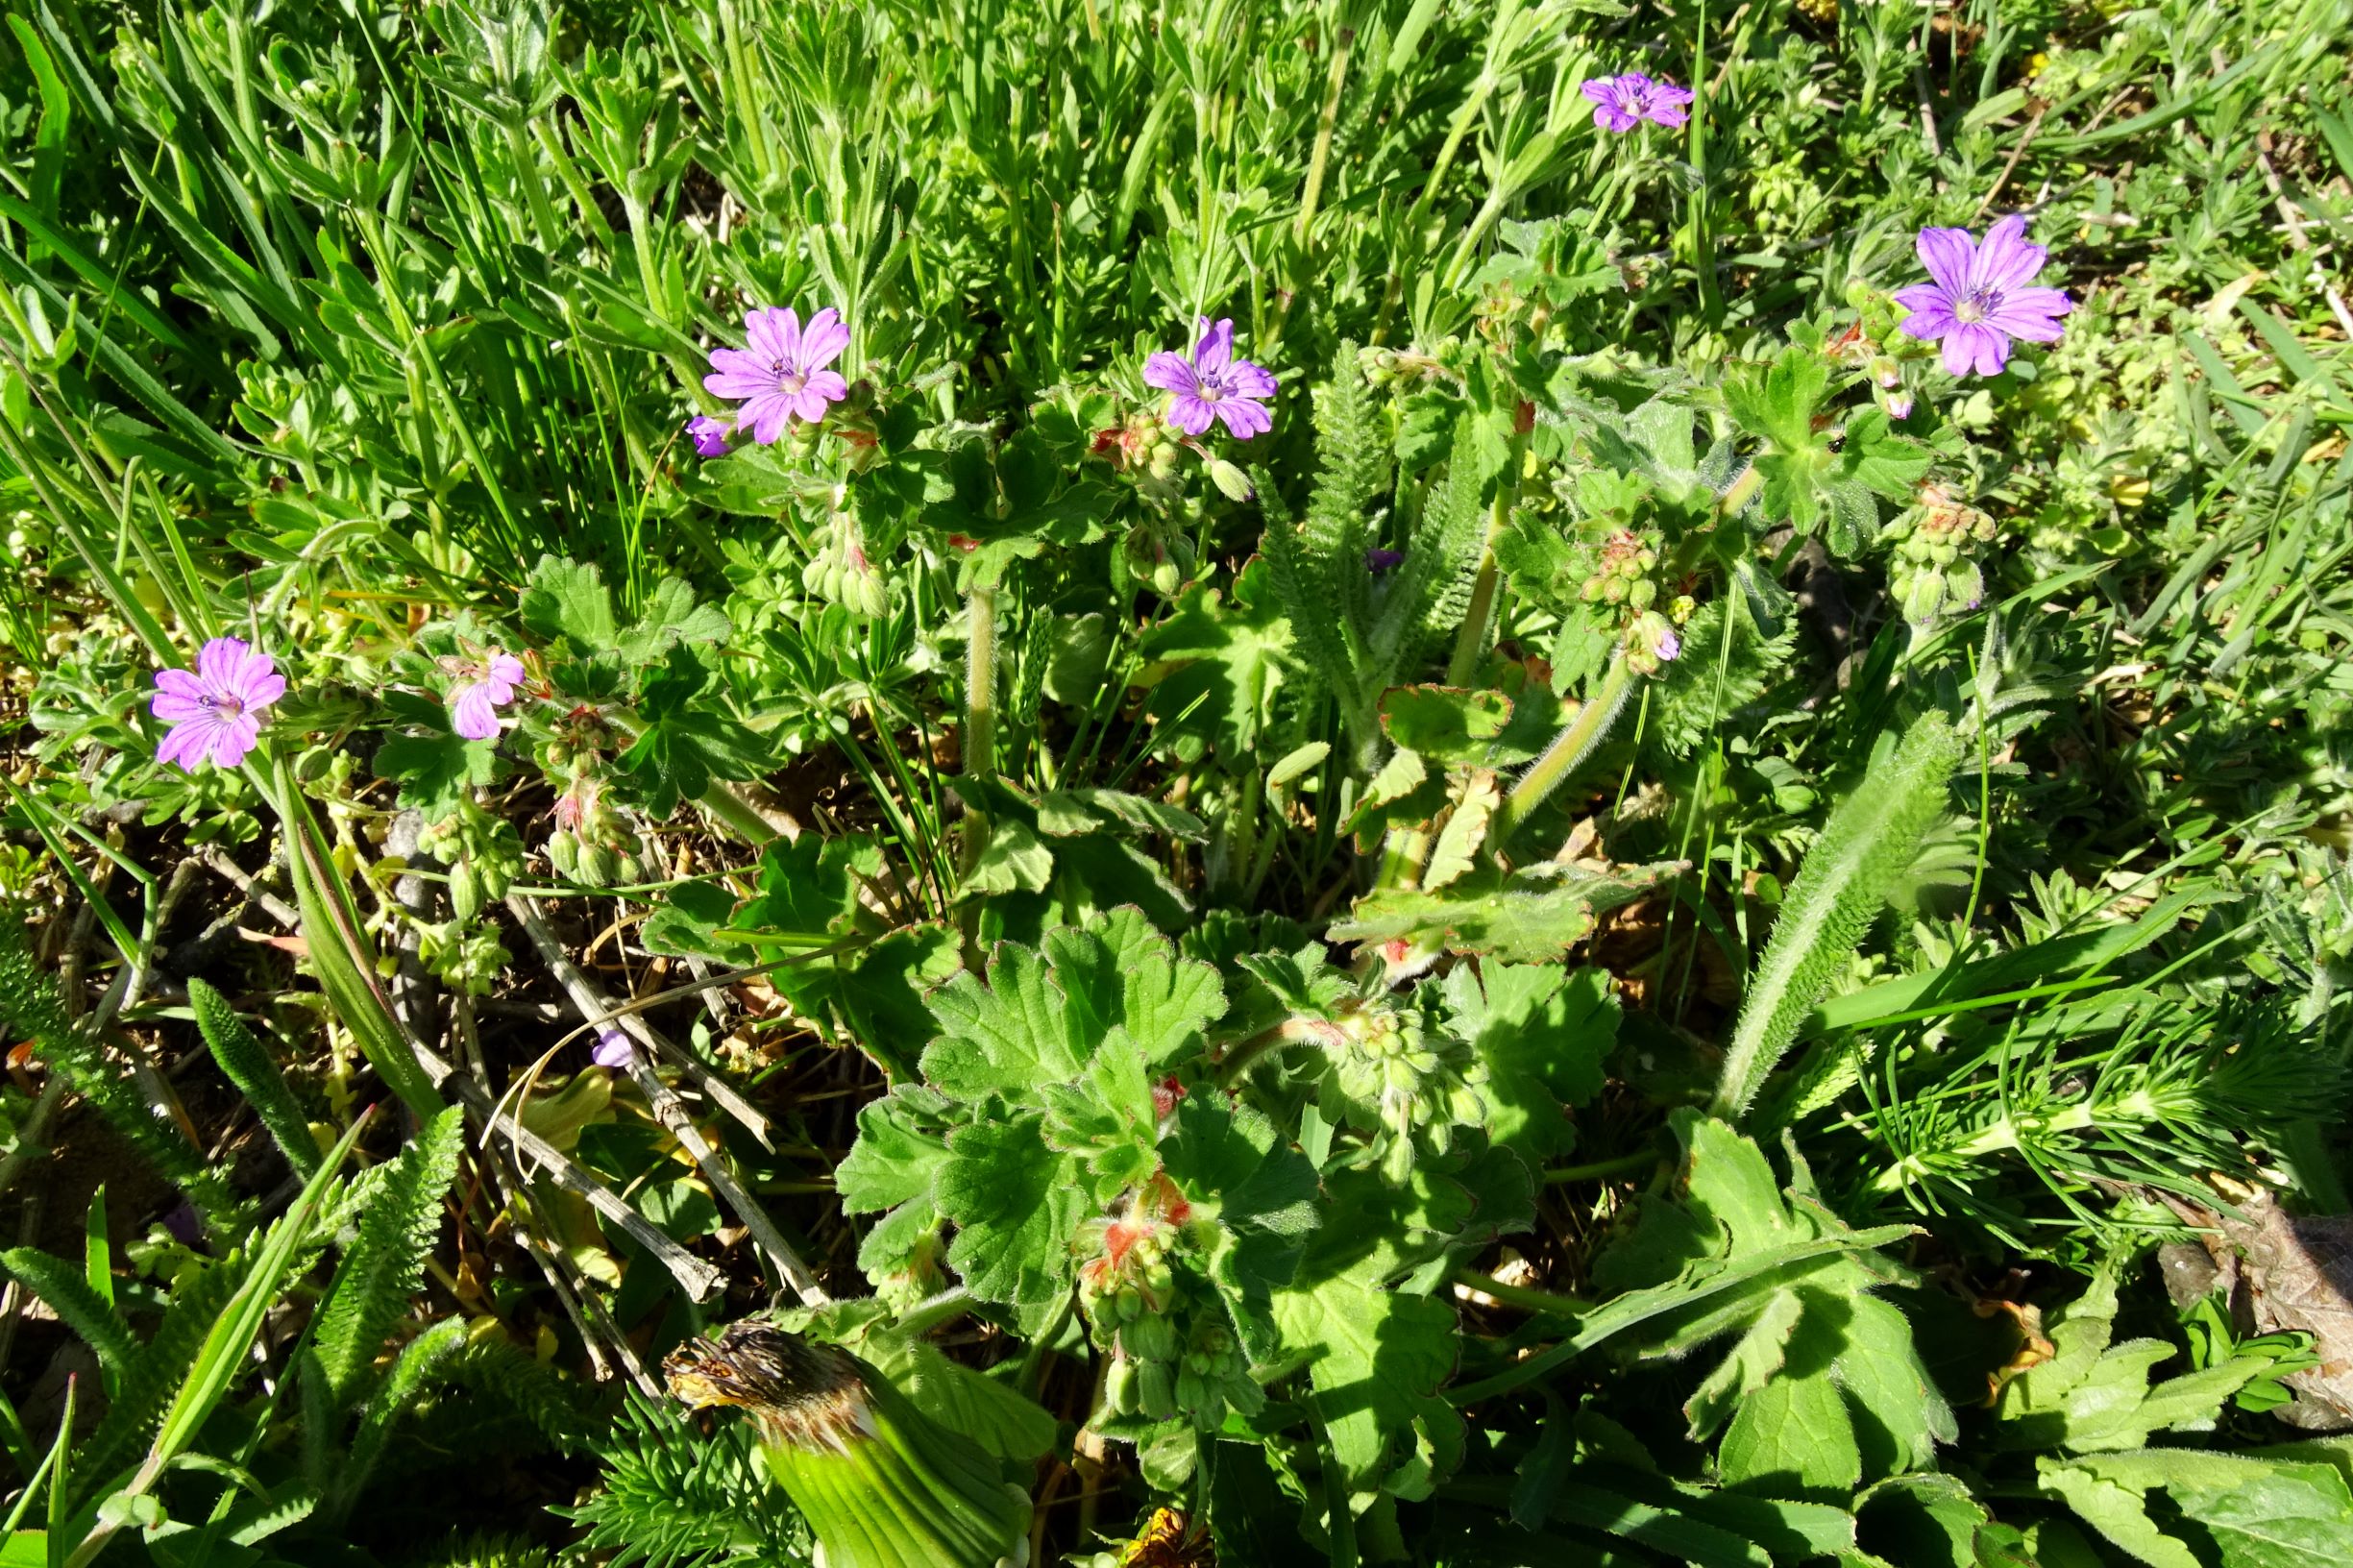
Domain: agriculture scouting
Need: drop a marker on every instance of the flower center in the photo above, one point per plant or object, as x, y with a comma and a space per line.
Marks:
789, 381
227, 707
1976, 305
1212, 388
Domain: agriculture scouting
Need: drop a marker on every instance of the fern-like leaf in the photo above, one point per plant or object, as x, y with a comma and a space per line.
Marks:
1434, 586
499, 1374
1720, 674
78, 1306
248, 1065
419, 1363
386, 1260
673, 1497
1351, 461
200, 1294
31, 1004
1315, 616
1868, 843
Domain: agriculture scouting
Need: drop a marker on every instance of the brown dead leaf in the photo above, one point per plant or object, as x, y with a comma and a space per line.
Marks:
2034, 1348
2286, 1272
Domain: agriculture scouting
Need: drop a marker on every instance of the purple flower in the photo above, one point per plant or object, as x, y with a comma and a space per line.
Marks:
709, 435
612, 1049
1211, 384
1980, 298
782, 376
480, 689
1381, 561
217, 711
1620, 103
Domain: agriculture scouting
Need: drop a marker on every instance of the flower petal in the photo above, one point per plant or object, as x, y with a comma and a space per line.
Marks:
2033, 325
470, 714
1243, 418
179, 683
786, 322
1216, 348
828, 385
1602, 90
739, 383
217, 661
1614, 117
1250, 380
177, 708
767, 416
1171, 373
186, 745
1947, 253
264, 692
724, 361
506, 670
1189, 414
2006, 261
232, 738
1928, 322
808, 405
1973, 349
256, 673
2033, 301
823, 340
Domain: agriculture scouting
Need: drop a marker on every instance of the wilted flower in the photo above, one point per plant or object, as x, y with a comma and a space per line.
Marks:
479, 689
215, 712
1981, 298
782, 376
1620, 103
709, 435
612, 1048
1211, 384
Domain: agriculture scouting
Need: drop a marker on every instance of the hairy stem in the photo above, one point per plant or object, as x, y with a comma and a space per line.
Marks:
979, 710
1320, 158
1577, 740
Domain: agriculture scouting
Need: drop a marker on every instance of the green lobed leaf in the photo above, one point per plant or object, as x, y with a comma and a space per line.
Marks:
1017, 1204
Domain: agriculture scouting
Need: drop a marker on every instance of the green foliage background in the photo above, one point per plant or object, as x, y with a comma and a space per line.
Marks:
1398, 1061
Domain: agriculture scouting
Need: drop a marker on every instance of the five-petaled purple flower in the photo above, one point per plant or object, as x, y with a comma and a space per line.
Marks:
1211, 384
217, 711
709, 435
479, 689
782, 376
1982, 297
1620, 103
1380, 560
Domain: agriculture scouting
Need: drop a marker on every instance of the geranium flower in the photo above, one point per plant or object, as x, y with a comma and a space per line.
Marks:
217, 711
1981, 298
709, 435
782, 376
1620, 103
1211, 384
479, 689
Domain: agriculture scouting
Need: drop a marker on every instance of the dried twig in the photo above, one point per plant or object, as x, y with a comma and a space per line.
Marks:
669, 1108
275, 907
2026, 139
2297, 239
600, 1335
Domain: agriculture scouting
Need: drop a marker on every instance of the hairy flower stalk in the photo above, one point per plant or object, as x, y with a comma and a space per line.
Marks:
881, 1483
